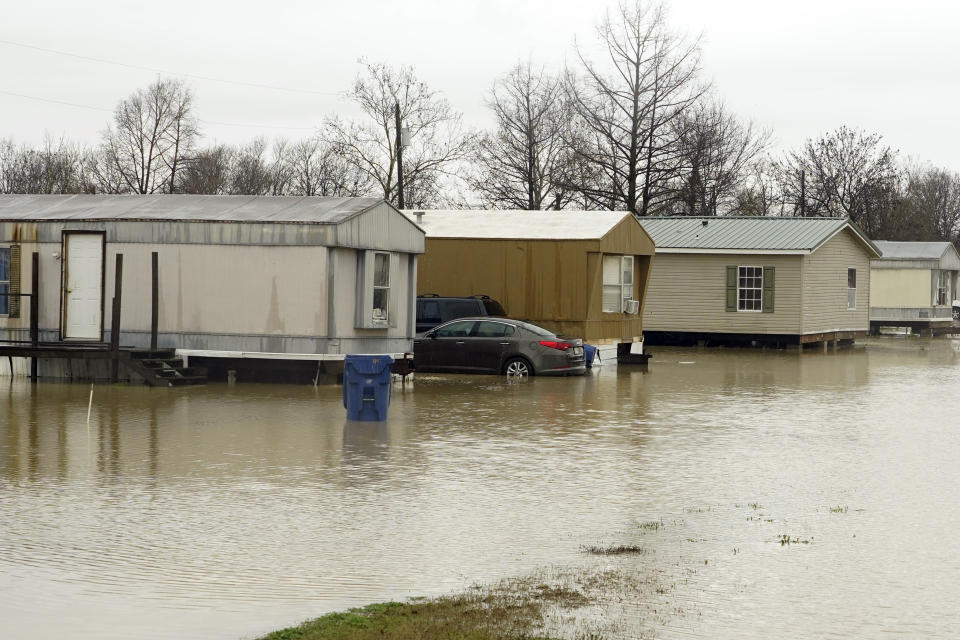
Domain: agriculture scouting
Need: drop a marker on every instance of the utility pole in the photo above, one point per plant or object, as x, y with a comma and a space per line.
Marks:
399, 158
803, 193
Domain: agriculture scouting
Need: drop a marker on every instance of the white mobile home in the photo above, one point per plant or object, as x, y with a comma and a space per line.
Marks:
246, 277
914, 285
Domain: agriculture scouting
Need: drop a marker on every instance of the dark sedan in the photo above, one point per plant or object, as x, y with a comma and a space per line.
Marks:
497, 345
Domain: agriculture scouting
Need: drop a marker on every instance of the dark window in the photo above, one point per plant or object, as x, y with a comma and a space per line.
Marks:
539, 331
490, 330
428, 311
456, 329
459, 308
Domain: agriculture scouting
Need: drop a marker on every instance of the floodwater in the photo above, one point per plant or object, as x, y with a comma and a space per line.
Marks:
231, 511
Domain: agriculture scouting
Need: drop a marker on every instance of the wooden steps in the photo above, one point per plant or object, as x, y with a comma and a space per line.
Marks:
162, 368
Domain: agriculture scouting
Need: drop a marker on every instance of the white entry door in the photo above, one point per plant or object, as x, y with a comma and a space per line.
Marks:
82, 286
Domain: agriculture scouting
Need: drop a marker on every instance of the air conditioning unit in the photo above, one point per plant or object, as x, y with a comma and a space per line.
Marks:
631, 306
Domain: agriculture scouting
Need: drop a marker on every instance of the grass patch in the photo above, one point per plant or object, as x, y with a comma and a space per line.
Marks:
615, 550
510, 609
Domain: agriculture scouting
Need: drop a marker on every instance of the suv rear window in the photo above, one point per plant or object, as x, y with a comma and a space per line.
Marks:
493, 308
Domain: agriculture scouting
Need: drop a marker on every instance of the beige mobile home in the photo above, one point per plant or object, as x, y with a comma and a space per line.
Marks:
238, 278
743, 280
581, 273
914, 285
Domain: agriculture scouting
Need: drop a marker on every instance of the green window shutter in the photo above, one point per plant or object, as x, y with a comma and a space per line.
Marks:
769, 285
13, 302
731, 288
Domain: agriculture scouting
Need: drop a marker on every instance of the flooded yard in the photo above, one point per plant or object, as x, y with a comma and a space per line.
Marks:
758, 494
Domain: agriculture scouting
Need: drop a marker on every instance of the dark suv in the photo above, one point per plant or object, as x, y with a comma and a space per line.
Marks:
433, 309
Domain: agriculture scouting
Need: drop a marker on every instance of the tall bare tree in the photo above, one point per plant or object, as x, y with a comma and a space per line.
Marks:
152, 129
626, 106
523, 162
437, 140
716, 157
843, 173
58, 166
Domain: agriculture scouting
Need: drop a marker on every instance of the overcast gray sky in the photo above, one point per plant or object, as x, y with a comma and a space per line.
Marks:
800, 69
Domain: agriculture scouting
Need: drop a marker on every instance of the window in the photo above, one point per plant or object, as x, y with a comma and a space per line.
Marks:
486, 329
851, 288
749, 288
377, 273
4, 281
943, 285
617, 282
456, 329
381, 287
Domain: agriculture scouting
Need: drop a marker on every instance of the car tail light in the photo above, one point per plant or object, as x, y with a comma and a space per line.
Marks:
562, 346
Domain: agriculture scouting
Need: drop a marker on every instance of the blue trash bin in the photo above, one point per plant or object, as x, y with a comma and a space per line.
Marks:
589, 352
366, 386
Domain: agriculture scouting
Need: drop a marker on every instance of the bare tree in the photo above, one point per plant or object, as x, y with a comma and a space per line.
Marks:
716, 153
930, 207
523, 163
151, 131
760, 194
249, 173
627, 107
843, 173
281, 170
437, 140
57, 167
206, 171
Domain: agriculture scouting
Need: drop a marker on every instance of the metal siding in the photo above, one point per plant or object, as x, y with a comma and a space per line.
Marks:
224, 289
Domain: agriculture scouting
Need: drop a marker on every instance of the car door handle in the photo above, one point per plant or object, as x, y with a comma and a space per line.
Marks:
505, 344
459, 341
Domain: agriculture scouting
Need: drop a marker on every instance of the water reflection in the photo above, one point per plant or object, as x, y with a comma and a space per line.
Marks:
226, 511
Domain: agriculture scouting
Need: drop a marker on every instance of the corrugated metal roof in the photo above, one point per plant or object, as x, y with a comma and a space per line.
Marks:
515, 224
753, 233
913, 250
187, 208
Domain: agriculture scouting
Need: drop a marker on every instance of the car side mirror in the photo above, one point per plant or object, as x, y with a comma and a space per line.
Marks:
432, 335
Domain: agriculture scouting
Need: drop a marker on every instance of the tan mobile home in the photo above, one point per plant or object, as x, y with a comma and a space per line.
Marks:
914, 285
780, 281
581, 273
240, 278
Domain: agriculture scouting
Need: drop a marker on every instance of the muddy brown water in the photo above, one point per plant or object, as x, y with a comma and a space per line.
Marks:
230, 511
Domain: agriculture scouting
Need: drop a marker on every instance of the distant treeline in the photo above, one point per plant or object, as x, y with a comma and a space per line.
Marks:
637, 129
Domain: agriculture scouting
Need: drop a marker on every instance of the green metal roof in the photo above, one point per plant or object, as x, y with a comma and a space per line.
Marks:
745, 234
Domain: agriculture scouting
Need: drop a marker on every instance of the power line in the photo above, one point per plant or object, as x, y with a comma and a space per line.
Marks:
69, 104
203, 120
169, 73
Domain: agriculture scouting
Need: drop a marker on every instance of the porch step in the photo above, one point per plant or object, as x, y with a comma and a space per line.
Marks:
161, 368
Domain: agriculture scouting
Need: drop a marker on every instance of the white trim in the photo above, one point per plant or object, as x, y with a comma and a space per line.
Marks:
262, 355
755, 252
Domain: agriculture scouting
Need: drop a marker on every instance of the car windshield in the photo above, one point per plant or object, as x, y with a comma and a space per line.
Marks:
540, 331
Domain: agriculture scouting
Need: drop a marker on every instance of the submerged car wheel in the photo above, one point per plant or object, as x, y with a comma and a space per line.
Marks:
518, 367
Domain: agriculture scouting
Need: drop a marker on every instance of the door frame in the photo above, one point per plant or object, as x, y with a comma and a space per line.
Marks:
64, 259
